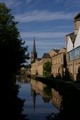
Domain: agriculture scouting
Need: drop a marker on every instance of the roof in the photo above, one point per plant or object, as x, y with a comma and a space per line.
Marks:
77, 17
38, 59
62, 50
72, 36
56, 50
46, 55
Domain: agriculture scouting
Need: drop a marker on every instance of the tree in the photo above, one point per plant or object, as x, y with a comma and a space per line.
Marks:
47, 68
12, 51
12, 56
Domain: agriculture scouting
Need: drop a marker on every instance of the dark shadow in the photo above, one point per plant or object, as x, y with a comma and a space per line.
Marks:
11, 106
12, 56
47, 90
68, 76
70, 104
78, 75
58, 76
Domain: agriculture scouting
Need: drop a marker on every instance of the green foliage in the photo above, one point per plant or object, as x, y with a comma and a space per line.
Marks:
47, 68
47, 90
46, 74
32, 61
12, 56
12, 50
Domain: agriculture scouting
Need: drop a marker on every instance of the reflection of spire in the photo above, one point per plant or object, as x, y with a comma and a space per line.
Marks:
34, 99
33, 94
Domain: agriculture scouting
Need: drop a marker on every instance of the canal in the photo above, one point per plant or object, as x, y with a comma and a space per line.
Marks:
45, 102
39, 100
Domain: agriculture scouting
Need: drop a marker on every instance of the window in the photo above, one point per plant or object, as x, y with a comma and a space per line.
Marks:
76, 68
77, 53
74, 54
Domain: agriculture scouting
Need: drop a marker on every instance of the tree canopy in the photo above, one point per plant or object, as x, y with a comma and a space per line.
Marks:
47, 68
13, 53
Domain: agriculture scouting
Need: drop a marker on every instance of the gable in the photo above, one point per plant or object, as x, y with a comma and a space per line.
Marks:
77, 16
46, 55
77, 41
52, 52
62, 50
69, 45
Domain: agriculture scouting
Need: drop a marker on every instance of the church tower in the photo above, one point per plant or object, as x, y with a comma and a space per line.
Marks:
33, 53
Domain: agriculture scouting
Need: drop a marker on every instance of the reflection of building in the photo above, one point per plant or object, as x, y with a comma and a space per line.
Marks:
33, 93
37, 87
56, 98
73, 48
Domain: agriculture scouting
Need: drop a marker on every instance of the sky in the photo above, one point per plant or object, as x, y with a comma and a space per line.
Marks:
49, 21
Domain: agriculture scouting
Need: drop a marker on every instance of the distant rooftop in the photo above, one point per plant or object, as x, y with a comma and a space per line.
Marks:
46, 55
38, 59
56, 50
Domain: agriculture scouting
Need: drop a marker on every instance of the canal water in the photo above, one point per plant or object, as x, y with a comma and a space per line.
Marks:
39, 102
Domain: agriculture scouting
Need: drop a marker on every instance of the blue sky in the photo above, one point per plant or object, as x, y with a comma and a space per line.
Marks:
47, 20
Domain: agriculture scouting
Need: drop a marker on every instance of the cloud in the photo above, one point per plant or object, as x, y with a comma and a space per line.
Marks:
48, 42
17, 4
46, 45
58, 1
8, 3
73, 5
43, 15
43, 46
28, 1
11, 3
43, 34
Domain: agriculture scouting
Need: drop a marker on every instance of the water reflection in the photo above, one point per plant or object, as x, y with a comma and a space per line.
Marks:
45, 102
48, 94
38, 99
56, 98
11, 106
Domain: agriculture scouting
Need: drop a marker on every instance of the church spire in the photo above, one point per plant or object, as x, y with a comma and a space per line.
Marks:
34, 46
33, 53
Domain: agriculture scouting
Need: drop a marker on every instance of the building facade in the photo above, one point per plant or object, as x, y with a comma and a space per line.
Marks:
37, 66
66, 59
58, 63
73, 49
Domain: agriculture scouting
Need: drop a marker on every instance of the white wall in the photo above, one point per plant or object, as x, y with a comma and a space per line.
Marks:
77, 41
76, 44
69, 45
